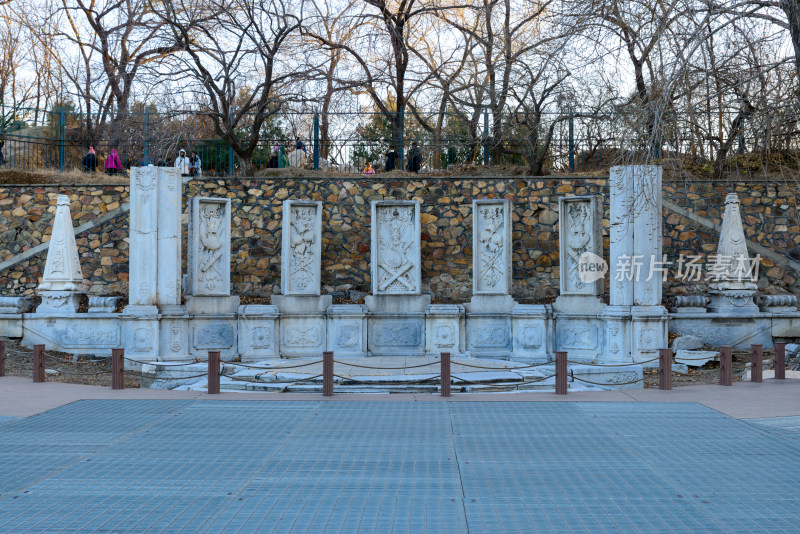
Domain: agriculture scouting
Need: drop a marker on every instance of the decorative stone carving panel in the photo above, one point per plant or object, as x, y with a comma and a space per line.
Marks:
210, 247
301, 251
396, 265
581, 245
491, 246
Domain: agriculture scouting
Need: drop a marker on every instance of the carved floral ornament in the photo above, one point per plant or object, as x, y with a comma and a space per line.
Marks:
492, 265
395, 240
302, 241
211, 239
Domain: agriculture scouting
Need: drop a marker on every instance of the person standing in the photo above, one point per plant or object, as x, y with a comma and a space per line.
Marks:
195, 166
391, 159
182, 163
90, 161
414, 158
113, 163
2, 157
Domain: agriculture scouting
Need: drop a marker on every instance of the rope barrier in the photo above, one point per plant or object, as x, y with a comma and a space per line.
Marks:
521, 383
166, 364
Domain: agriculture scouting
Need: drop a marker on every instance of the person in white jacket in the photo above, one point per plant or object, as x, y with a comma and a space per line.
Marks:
182, 163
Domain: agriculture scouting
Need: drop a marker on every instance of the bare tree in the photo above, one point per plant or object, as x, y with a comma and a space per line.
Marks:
231, 50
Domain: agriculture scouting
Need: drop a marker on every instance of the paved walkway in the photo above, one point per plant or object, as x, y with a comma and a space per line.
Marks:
127, 461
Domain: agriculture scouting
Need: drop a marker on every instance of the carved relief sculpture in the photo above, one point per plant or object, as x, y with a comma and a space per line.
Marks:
491, 247
580, 244
396, 248
210, 247
301, 247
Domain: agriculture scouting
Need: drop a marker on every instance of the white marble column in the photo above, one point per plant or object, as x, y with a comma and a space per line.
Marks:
301, 250
620, 235
647, 234
168, 285
491, 247
143, 234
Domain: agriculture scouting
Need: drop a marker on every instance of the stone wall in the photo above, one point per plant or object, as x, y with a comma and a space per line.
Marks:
769, 211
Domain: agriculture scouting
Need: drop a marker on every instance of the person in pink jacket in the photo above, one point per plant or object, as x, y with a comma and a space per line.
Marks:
113, 163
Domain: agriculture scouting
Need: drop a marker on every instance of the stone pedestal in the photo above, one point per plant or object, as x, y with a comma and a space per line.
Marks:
301, 252
489, 326
302, 324
258, 332
140, 332
617, 334
174, 338
532, 329
444, 329
347, 329
396, 324
212, 325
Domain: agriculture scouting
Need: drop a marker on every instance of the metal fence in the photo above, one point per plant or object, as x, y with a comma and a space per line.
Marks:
36, 139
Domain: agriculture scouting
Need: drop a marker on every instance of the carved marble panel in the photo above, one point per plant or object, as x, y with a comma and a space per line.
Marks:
396, 261
531, 326
170, 189
258, 332
174, 339
577, 335
301, 251
213, 336
302, 335
209, 246
396, 335
444, 329
581, 245
347, 329
491, 247
489, 335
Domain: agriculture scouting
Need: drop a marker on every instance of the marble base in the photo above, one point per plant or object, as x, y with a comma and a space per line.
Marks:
532, 331
258, 332
648, 333
581, 336
140, 336
444, 329
174, 338
396, 324
302, 324
721, 329
205, 305
58, 302
103, 304
733, 302
10, 325
81, 334
15, 305
489, 326
347, 329
213, 333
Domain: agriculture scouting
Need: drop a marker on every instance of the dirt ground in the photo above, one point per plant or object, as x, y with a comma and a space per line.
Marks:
69, 369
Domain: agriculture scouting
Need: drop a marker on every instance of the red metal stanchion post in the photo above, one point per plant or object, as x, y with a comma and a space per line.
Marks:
725, 366
2, 357
117, 368
327, 374
445, 374
756, 362
780, 361
213, 372
665, 369
38, 363
561, 373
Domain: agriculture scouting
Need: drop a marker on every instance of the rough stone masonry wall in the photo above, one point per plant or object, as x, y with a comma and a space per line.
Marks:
769, 211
